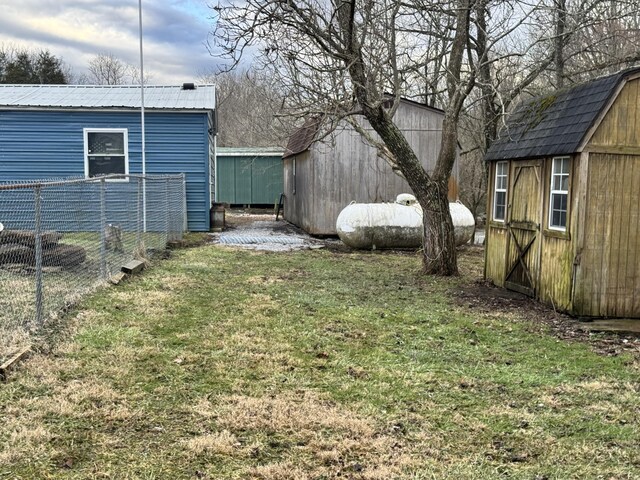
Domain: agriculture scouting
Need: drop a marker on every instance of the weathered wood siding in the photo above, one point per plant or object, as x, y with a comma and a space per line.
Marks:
523, 226
608, 275
496, 236
557, 249
344, 168
298, 190
620, 128
592, 268
549, 258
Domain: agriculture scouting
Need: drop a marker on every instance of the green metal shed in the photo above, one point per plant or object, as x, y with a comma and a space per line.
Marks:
249, 176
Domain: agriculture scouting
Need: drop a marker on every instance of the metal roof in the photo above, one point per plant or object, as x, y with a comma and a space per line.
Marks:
163, 97
556, 124
250, 151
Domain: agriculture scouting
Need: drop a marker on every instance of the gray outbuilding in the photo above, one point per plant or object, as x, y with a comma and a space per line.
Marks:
323, 177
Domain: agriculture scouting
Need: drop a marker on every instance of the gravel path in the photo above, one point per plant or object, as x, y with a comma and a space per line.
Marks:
263, 232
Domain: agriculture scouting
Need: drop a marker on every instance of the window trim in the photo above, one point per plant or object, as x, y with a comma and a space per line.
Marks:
556, 192
124, 131
496, 190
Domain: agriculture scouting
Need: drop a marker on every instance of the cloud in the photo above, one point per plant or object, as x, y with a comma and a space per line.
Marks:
175, 32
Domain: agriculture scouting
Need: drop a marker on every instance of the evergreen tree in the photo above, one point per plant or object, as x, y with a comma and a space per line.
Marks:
20, 69
31, 67
49, 69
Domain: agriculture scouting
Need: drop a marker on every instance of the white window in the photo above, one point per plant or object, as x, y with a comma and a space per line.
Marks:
106, 151
559, 193
500, 194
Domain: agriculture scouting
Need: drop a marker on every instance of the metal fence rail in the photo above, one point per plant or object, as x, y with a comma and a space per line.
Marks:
61, 239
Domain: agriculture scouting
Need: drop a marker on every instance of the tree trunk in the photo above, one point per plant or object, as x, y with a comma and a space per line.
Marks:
440, 256
431, 190
439, 251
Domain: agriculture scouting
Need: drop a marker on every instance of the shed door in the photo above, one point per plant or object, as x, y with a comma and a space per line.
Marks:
523, 225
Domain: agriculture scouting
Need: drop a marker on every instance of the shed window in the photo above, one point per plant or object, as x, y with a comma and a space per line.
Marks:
559, 193
500, 195
106, 152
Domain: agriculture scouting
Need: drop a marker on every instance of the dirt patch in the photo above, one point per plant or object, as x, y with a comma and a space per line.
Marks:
235, 218
484, 297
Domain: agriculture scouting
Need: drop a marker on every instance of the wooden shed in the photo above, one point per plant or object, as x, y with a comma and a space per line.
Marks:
323, 177
249, 176
564, 199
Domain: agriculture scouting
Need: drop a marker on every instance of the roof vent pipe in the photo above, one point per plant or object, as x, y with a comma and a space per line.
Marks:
188, 86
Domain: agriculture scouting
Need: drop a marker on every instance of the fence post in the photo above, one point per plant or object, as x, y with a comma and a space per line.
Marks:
139, 219
167, 213
103, 231
38, 252
185, 225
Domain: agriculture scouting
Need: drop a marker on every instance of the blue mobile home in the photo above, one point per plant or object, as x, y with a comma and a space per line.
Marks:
54, 131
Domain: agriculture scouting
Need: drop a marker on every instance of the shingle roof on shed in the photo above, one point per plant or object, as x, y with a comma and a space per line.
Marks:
303, 137
106, 96
555, 124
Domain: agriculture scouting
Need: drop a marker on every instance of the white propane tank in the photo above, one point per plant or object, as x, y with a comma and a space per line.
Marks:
464, 225
395, 225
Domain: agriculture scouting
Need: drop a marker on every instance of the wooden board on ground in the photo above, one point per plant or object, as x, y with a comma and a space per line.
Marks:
134, 266
11, 362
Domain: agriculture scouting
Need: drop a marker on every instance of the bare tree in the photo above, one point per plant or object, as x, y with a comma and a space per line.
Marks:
559, 42
248, 107
107, 69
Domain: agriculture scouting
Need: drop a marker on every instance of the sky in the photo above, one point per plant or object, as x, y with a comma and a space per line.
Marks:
174, 33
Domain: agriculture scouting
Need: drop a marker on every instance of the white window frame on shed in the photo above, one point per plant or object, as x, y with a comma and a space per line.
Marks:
559, 188
500, 187
125, 133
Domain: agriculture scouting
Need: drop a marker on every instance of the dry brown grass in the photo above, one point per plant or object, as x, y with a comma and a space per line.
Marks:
264, 280
332, 438
24, 440
222, 443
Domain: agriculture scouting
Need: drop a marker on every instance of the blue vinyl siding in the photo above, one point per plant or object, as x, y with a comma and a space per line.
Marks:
38, 145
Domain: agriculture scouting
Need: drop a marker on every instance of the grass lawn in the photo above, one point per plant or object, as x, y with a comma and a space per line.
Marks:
224, 364
61, 286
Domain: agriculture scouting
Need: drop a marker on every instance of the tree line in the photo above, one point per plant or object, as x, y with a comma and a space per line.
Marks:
40, 66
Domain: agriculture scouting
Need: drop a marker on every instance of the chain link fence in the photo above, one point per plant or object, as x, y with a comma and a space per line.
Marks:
61, 239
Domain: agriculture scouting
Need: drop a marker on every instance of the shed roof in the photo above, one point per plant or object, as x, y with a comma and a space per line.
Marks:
163, 97
556, 124
250, 151
303, 137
